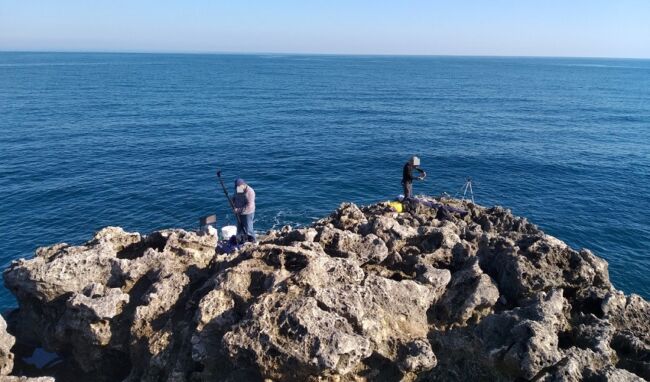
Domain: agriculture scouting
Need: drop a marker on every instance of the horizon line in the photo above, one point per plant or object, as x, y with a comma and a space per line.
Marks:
312, 54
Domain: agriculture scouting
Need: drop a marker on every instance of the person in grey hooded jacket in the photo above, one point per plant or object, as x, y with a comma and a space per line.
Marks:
244, 202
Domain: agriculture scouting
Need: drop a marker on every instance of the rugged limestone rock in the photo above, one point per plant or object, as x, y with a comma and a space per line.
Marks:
6, 343
364, 294
525, 340
470, 295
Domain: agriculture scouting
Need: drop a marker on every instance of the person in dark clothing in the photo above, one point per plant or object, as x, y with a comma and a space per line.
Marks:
407, 175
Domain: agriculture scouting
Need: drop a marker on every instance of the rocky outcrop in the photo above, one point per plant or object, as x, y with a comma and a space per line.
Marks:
364, 294
7, 341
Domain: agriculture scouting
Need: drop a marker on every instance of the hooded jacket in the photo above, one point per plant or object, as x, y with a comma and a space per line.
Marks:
245, 202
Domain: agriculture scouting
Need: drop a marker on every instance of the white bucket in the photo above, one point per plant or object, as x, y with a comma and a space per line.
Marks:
228, 231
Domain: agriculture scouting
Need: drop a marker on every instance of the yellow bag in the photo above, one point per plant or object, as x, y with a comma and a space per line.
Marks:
397, 206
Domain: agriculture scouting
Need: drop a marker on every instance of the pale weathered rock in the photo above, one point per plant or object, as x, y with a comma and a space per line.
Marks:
364, 294
298, 339
7, 341
390, 230
471, 294
619, 375
341, 243
374, 307
525, 340
436, 278
417, 357
349, 217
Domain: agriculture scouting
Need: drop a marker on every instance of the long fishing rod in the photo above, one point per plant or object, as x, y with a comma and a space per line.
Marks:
225, 191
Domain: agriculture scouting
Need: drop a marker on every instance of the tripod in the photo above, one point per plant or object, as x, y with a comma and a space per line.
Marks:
467, 187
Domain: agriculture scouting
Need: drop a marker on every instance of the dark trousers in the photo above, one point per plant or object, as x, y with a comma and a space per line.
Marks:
408, 189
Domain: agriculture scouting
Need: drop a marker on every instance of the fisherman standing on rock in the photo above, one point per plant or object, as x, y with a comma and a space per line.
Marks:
244, 205
407, 175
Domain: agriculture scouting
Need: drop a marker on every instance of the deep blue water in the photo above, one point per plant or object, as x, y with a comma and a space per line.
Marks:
89, 140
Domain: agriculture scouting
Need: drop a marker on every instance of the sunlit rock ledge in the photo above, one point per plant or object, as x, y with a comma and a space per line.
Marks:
364, 294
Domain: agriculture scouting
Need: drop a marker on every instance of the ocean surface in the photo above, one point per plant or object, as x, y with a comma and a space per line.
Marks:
134, 140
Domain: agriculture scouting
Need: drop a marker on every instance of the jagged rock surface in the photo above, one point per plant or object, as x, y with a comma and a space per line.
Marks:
365, 294
7, 341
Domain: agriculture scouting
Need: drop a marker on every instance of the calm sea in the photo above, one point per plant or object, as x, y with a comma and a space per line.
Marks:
90, 140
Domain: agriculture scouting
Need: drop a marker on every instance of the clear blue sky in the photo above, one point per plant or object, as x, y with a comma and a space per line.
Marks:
600, 28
